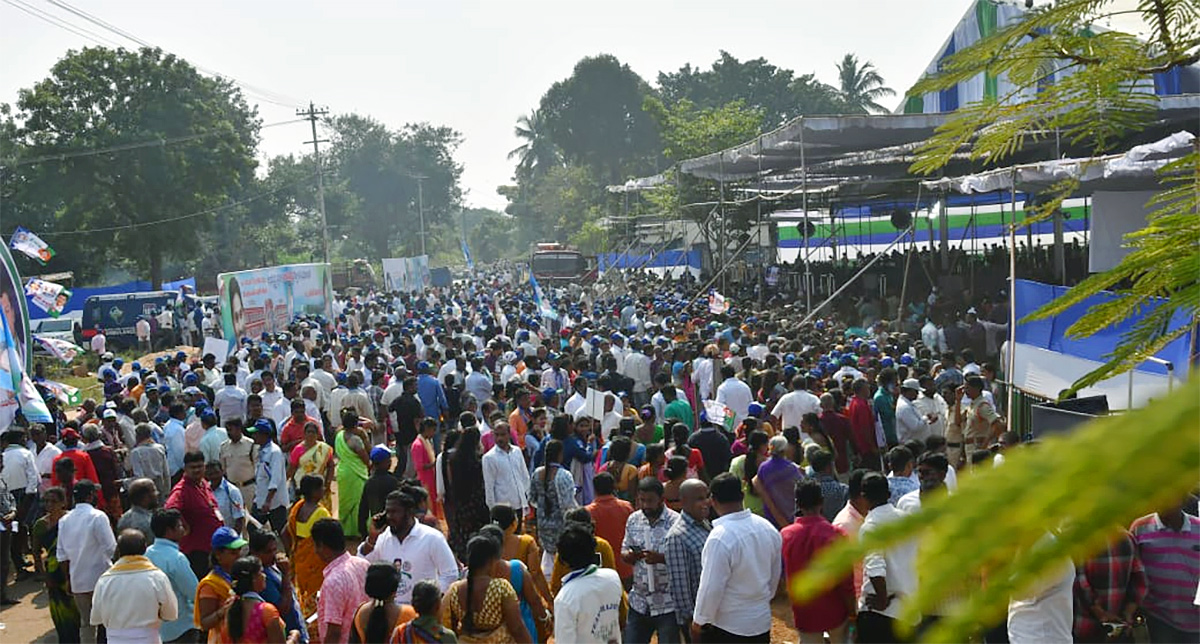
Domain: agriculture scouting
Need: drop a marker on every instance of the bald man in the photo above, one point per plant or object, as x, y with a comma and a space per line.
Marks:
143, 498
683, 544
133, 597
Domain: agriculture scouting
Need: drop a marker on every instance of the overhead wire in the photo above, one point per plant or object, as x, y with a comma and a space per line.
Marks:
262, 93
168, 220
160, 142
57, 22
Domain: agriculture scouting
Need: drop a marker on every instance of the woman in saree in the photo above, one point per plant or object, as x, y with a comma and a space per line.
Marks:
312, 456
63, 611
297, 538
351, 446
424, 462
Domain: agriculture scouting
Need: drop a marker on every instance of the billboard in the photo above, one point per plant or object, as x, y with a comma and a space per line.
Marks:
406, 274
265, 300
15, 308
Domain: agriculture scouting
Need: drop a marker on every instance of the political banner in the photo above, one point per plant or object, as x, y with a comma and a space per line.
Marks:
544, 308
15, 308
466, 250
406, 274
67, 394
25, 241
719, 414
17, 392
266, 300
47, 296
61, 349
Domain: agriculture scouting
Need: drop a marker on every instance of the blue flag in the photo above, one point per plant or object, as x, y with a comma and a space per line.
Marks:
540, 300
467, 255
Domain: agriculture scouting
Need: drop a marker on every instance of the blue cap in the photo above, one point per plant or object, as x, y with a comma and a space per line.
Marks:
190, 378
261, 425
380, 454
137, 366
424, 367
226, 539
162, 389
548, 393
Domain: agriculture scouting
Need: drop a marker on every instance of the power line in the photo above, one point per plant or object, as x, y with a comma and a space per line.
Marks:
14, 162
252, 91
311, 115
174, 219
48, 18
264, 94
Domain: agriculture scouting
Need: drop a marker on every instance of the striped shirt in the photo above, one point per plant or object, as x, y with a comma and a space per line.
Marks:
1172, 564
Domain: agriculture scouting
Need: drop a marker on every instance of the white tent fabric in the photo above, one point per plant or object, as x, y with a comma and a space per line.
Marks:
1136, 167
1046, 373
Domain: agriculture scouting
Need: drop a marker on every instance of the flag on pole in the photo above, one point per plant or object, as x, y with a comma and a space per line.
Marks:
25, 241
467, 255
61, 349
539, 298
17, 391
47, 296
69, 395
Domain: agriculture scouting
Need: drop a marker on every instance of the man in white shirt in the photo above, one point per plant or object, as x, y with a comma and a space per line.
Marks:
932, 406
420, 551
637, 368
740, 567
505, 477
587, 607
133, 598
889, 576
736, 395
659, 403
910, 424
793, 405
85, 548
99, 342
270, 394
142, 328
270, 481
230, 401
44, 454
578, 399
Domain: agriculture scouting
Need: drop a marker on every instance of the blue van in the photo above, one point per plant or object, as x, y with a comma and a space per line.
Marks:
117, 314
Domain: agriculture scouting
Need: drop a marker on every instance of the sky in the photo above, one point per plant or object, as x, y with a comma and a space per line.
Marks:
472, 65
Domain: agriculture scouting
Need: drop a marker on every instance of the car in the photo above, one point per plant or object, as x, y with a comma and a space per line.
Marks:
58, 328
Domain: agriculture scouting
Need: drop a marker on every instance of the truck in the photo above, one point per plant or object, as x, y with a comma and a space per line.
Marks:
357, 273
118, 313
553, 262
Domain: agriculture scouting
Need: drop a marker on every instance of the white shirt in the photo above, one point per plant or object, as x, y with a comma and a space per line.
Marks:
793, 405
898, 564
230, 402
637, 367
98, 343
143, 329
736, 395
20, 470
269, 398
910, 424
660, 404
85, 538
45, 463
424, 554
587, 608
702, 375
574, 404
935, 405
505, 477
739, 573
132, 604
270, 474
1045, 613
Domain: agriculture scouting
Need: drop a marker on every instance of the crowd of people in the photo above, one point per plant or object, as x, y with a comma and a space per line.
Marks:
488, 463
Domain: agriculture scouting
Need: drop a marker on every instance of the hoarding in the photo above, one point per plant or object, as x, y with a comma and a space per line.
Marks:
266, 300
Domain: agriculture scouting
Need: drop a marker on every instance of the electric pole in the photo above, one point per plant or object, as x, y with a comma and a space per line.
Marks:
421, 209
312, 113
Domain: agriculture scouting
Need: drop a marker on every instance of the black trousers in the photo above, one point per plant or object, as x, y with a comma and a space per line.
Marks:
200, 563
876, 628
712, 635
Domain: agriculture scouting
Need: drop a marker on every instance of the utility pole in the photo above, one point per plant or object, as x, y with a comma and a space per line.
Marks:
421, 210
312, 113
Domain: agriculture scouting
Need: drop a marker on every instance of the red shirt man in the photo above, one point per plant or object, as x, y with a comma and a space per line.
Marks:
609, 515
292, 431
84, 468
194, 500
803, 540
862, 427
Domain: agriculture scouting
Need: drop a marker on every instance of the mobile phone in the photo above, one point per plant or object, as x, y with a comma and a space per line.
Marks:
380, 521
596, 559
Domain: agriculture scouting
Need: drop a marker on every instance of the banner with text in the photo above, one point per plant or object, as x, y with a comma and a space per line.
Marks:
406, 274
266, 300
47, 296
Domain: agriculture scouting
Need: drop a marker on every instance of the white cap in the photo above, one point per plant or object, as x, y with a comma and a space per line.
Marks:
911, 383
971, 369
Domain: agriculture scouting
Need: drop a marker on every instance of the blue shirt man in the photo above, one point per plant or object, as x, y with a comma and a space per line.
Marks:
429, 390
173, 440
164, 553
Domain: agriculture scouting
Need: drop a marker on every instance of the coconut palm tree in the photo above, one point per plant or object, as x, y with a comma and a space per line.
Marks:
861, 86
538, 153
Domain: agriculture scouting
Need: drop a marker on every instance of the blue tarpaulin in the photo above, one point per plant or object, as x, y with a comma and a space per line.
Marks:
1050, 334
79, 295
664, 259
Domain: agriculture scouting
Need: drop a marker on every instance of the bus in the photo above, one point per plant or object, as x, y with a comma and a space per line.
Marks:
118, 313
553, 262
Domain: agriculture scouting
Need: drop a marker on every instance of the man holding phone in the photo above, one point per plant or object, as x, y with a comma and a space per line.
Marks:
651, 607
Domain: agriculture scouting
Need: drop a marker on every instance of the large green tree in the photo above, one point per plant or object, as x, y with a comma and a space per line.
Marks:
141, 205
595, 118
390, 178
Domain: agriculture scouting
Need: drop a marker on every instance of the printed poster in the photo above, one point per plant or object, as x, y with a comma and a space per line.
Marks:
266, 300
407, 274
25, 241
47, 296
